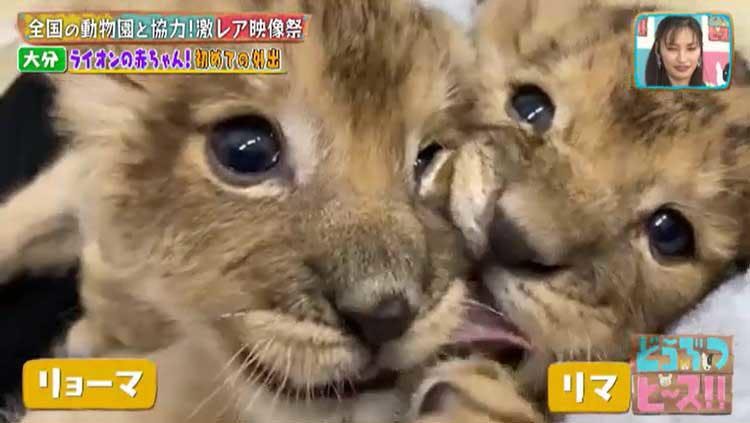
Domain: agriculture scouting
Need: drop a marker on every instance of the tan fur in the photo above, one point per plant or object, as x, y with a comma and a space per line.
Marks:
579, 194
169, 250
581, 191
474, 390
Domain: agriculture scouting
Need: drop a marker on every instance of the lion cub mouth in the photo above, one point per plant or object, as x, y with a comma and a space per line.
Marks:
338, 389
490, 332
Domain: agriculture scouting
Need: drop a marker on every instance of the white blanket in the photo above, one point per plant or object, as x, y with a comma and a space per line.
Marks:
723, 312
462, 11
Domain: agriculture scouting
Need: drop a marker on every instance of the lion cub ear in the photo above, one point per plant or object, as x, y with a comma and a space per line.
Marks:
435, 183
473, 193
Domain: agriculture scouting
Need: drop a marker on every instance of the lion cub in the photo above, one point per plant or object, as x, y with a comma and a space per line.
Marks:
271, 225
597, 210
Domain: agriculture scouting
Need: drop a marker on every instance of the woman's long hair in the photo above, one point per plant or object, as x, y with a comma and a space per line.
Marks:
656, 72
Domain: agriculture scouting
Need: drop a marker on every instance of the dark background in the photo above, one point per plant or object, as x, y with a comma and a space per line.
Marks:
34, 311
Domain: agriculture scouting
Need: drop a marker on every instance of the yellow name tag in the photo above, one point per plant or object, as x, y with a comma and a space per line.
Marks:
95, 384
588, 387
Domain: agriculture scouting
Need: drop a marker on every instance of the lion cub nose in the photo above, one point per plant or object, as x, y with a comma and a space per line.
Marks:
508, 243
510, 247
388, 320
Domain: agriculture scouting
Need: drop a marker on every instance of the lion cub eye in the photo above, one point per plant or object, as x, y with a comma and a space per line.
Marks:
533, 106
244, 149
670, 234
425, 157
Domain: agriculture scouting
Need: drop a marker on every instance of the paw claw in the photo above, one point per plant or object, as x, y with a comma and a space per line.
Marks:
436, 398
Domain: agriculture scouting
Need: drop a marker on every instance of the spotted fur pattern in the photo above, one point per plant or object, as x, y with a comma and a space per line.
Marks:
187, 268
574, 199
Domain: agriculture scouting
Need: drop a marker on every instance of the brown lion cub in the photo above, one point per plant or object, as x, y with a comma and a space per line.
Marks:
598, 210
269, 224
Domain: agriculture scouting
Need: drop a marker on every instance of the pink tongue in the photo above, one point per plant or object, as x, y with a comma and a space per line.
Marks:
490, 328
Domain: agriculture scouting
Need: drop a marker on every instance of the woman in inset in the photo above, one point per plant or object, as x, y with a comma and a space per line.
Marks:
677, 55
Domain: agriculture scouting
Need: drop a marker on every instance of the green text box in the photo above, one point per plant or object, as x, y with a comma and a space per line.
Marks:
42, 59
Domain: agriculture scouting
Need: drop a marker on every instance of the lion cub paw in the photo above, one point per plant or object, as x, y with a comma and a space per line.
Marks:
472, 390
86, 340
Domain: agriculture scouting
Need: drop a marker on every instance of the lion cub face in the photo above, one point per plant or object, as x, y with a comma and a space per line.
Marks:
282, 210
611, 209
